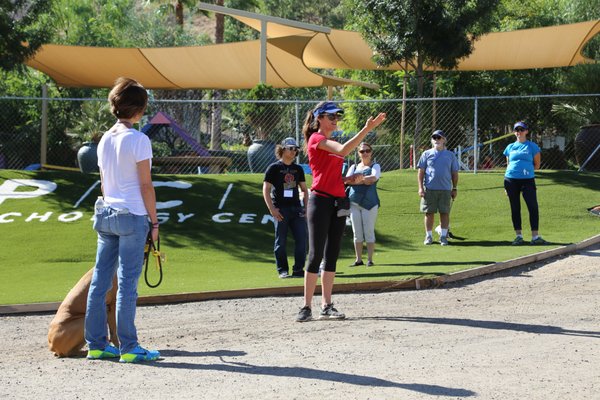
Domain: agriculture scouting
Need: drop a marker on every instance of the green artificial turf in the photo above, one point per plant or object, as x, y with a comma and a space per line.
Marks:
216, 243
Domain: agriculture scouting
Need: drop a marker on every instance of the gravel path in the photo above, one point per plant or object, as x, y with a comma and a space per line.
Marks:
531, 333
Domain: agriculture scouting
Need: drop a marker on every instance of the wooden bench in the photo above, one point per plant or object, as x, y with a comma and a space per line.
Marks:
176, 164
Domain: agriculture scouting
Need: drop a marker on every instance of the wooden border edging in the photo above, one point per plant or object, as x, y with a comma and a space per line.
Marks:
281, 291
378, 286
517, 262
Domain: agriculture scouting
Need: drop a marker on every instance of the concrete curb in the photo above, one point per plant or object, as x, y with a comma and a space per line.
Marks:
379, 286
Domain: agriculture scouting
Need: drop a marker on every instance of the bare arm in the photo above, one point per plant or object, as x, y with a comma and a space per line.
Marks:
101, 183
344, 149
269, 201
537, 161
374, 177
454, 184
369, 180
304, 189
351, 177
420, 177
148, 194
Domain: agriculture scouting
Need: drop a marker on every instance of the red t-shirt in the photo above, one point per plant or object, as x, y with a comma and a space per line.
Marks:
326, 168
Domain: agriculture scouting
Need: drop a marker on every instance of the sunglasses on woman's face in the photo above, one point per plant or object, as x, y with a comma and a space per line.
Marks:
436, 137
291, 148
520, 130
333, 117
365, 151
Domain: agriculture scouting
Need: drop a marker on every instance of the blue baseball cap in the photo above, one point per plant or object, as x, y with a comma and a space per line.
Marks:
439, 133
328, 107
520, 124
289, 141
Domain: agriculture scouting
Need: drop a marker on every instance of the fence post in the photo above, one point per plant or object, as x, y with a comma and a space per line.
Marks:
297, 112
402, 119
44, 132
475, 138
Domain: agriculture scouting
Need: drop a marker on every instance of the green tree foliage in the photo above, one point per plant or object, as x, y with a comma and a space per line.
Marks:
24, 26
325, 13
262, 116
416, 33
419, 32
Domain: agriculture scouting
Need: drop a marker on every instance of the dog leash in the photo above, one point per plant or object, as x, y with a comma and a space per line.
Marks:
151, 249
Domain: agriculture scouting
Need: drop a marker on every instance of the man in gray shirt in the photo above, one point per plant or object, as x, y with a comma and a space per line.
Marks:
438, 180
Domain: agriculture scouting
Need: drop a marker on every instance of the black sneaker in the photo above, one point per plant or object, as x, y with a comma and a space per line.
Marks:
305, 314
297, 274
518, 241
330, 312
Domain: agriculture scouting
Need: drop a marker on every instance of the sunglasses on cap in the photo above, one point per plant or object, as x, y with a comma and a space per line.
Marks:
519, 129
291, 148
436, 137
365, 151
333, 117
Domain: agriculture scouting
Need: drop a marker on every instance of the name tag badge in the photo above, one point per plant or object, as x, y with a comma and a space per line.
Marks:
288, 193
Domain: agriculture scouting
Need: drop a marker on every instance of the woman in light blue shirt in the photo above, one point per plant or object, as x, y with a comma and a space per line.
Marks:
523, 157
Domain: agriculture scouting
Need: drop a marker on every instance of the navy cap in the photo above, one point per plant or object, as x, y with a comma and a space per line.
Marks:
440, 133
328, 107
289, 141
520, 124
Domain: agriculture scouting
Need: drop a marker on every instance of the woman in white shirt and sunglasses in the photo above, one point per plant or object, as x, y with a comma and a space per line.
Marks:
364, 203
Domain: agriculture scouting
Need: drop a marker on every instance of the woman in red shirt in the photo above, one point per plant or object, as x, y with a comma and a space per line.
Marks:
325, 227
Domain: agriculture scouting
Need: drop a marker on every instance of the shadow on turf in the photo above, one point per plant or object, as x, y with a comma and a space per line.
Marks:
497, 325
296, 372
377, 274
495, 243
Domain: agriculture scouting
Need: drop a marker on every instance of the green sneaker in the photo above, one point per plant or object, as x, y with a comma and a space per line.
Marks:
518, 241
139, 354
108, 352
539, 241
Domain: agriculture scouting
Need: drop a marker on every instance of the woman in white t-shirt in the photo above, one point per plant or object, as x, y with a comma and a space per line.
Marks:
121, 220
364, 203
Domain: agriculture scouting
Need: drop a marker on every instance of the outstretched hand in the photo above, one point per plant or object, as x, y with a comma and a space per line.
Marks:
373, 123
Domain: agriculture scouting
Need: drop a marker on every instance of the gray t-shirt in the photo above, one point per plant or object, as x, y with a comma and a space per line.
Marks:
438, 166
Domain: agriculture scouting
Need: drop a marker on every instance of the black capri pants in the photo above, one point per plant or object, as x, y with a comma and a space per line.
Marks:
514, 188
325, 230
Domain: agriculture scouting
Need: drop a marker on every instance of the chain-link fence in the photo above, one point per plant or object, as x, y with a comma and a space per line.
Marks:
198, 136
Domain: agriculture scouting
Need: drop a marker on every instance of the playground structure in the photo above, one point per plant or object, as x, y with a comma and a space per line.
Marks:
186, 154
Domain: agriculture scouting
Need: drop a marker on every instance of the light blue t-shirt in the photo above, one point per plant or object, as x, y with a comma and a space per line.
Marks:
438, 166
520, 159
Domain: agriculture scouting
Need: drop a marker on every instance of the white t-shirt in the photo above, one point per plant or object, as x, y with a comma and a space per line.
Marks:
118, 155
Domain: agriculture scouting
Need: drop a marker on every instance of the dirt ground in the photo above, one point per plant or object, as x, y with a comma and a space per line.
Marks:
530, 333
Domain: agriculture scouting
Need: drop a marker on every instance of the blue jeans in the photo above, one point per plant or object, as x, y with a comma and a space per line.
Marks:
295, 221
121, 240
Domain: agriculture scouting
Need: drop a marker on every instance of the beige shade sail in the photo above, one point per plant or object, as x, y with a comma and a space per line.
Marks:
225, 66
550, 47
291, 51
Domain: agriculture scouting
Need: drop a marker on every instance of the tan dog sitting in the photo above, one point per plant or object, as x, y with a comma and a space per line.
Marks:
65, 335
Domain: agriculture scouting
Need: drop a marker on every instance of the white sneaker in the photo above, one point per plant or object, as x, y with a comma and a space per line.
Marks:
444, 240
428, 240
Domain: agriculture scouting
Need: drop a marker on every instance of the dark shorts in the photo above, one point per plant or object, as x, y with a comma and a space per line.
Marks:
436, 201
